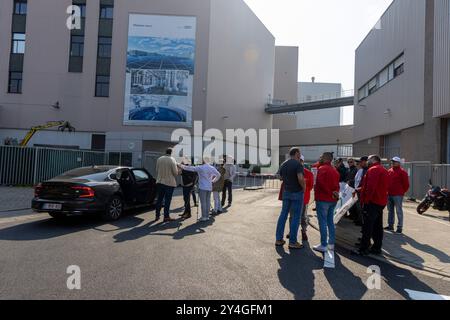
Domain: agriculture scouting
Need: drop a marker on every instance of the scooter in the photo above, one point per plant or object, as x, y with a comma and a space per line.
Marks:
438, 198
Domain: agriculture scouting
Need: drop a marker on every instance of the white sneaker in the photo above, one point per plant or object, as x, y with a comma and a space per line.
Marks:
320, 248
331, 247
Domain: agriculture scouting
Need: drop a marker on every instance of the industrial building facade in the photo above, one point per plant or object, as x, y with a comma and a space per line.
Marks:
402, 81
132, 71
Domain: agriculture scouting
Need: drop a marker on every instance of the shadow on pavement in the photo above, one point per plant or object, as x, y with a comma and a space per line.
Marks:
345, 285
296, 271
395, 277
154, 228
402, 240
53, 228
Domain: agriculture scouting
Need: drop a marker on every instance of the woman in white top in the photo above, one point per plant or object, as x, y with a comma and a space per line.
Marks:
207, 175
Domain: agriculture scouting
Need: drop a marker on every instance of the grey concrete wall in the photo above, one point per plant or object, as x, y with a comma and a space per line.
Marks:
241, 68
284, 122
317, 136
286, 74
401, 29
367, 147
441, 58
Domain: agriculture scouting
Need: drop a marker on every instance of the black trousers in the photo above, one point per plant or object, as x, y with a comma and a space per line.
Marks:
372, 227
227, 187
187, 191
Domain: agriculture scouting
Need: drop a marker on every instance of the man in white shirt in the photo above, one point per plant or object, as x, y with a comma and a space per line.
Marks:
230, 173
207, 175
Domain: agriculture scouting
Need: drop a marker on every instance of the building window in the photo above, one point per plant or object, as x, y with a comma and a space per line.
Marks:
18, 43
393, 70
373, 85
82, 8
76, 46
102, 86
106, 12
383, 77
20, 7
104, 47
15, 82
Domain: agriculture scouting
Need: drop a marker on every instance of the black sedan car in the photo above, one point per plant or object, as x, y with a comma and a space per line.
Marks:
108, 190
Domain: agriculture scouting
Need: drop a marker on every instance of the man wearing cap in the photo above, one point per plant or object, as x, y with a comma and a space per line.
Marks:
398, 186
374, 194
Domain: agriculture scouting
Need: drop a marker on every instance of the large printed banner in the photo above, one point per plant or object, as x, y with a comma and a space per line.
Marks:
160, 70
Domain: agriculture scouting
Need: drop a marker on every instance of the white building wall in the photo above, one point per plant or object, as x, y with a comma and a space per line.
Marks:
318, 118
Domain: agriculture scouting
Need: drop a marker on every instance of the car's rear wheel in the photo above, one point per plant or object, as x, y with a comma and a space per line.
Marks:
114, 209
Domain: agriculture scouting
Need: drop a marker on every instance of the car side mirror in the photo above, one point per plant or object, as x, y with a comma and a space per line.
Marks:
113, 176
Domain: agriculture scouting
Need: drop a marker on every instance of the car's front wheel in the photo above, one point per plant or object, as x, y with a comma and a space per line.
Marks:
114, 209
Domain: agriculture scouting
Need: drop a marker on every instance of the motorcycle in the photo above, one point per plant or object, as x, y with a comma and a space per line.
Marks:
437, 198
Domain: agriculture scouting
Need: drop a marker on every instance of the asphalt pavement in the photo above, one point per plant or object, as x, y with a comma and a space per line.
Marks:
230, 257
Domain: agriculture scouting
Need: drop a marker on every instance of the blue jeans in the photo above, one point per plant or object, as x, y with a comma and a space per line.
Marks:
325, 215
395, 202
293, 203
166, 193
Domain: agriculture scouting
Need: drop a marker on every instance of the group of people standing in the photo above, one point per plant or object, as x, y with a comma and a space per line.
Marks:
375, 186
207, 178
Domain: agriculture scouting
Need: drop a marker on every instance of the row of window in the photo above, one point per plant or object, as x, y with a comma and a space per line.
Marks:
393, 70
76, 49
77, 46
18, 38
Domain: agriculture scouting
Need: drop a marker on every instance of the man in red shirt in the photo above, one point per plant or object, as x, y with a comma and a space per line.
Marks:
326, 193
374, 195
398, 186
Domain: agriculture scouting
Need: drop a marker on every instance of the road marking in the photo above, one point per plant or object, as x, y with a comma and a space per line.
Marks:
420, 295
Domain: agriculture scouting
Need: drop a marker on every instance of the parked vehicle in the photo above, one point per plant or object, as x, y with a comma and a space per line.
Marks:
108, 190
436, 197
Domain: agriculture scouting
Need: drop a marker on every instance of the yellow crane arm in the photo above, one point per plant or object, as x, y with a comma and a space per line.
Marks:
50, 124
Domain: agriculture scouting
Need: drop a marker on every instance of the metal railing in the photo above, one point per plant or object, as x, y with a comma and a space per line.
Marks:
29, 166
314, 98
420, 174
260, 181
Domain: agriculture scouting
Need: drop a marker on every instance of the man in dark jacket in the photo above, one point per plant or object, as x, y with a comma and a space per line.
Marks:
189, 180
353, 170
342, 169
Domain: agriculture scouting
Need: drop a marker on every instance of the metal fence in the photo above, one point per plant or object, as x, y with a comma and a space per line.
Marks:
420, 174
29, 166
262, 181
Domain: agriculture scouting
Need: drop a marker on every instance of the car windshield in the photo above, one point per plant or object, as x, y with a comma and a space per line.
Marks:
91, 173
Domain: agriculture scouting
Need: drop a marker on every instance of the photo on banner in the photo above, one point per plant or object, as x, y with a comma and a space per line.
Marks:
160, 70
